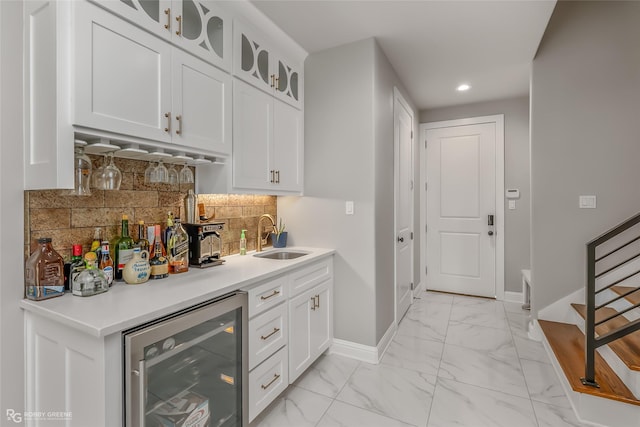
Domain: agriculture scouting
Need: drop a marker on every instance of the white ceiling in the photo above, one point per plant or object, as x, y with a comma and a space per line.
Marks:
433, 45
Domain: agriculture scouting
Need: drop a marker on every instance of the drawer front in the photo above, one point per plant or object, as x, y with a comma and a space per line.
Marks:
267, 295
267, 381
308, 277
267, 333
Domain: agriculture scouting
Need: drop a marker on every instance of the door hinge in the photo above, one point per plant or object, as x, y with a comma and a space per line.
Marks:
411, 134
426, 270
425, 186
425, 143
412, 287
411, 185
426, 227
412, 235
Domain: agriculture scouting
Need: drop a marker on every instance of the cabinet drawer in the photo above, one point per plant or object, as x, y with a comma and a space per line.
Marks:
267, 295
308, 277
267, 333
267, 381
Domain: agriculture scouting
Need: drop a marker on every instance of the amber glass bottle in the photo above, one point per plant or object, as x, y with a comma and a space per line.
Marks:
44, 272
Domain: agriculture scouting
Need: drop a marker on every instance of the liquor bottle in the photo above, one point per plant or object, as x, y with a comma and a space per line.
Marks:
106, 263
142, 241
178, 249
75, 267
158, 262
95, 244
168, 231
44, 272
91, 280
123, 248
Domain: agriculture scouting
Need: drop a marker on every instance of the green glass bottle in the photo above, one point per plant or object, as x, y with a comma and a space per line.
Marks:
123, 248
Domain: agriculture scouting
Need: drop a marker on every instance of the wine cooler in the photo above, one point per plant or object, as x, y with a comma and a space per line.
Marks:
189, 368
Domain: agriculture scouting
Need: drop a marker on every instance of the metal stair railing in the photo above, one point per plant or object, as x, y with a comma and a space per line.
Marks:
593, 341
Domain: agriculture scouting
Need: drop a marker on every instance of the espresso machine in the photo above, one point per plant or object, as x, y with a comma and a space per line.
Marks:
205, 244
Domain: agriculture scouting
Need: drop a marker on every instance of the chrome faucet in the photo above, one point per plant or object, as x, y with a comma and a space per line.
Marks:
260, 240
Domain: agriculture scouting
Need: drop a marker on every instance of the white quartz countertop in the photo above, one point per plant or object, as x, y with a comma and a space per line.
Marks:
125, 306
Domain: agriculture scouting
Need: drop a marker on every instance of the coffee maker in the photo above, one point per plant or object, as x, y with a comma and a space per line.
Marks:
205, 244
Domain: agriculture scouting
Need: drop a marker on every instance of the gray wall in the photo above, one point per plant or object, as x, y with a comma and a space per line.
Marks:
516, 141
585, 137
349, 156
11, 210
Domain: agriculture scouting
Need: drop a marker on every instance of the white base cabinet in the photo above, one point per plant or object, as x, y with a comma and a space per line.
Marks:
310, 327
287, 335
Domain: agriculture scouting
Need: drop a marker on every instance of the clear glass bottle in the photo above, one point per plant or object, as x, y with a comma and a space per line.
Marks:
44, 272
106, 263
90, 281
178, 249
158, 262
142, 241
123, 248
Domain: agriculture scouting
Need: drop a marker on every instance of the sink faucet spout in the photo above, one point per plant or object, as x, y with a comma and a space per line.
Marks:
260, 239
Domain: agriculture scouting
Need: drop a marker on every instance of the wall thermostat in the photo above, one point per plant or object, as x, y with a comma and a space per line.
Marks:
513, 193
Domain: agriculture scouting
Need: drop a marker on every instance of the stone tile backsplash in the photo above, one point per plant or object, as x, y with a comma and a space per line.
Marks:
71, 219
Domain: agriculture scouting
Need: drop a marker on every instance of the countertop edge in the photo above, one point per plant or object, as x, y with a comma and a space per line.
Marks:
41, 308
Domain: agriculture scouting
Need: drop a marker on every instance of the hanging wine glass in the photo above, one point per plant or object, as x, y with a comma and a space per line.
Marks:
186, 176
150, 174
112, 175
97, 177
173, 175
162, 174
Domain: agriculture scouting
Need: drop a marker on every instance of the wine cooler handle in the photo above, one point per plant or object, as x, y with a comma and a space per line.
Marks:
142, 391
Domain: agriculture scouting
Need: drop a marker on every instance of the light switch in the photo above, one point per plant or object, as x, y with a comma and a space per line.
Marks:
512, 204
587, 202
349, 207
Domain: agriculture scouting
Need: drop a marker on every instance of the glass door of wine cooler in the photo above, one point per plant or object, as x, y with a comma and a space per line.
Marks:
189, 369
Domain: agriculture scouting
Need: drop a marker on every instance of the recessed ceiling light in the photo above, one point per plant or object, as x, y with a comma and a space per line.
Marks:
463, 87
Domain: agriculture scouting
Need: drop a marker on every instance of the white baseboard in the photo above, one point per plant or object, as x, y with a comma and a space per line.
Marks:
364, 353
510, 296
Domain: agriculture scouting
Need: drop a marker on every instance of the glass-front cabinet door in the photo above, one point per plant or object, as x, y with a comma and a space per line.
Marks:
252, 58
198, 26
288, 82
189, 369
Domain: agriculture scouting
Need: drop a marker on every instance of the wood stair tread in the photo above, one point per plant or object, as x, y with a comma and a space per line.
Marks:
628, 347
567, 342
633, 298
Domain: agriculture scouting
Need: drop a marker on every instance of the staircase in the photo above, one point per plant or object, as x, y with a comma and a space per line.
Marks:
595, 344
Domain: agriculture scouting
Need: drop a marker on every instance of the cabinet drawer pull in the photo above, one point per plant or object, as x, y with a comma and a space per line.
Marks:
318, 301
273, 78
168, 128
266, 337
313, 307
273, 294
277, 85
179, 119
275, 378
179, 19
273, 176
168, 24
277, 177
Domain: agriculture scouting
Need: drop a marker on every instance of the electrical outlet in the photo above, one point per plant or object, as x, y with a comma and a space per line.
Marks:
349, 207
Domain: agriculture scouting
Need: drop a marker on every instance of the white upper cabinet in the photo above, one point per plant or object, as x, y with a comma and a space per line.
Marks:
132, 83
267, 145
201, 104
259, 64
200, 27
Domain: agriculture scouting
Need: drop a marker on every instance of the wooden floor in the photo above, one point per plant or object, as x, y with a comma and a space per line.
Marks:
627, 348
567, 342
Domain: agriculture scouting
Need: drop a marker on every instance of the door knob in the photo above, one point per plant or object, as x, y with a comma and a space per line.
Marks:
490, 232
400, 239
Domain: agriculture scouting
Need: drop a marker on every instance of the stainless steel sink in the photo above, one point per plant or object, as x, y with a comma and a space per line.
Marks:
281, 254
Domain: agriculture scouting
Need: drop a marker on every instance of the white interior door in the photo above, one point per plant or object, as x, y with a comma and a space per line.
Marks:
403, 165
461, 204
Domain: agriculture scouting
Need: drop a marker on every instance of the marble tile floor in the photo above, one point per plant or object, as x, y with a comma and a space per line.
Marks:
456, 361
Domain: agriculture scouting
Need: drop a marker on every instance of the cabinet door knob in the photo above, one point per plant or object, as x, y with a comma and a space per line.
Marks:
168, 24
168, 117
